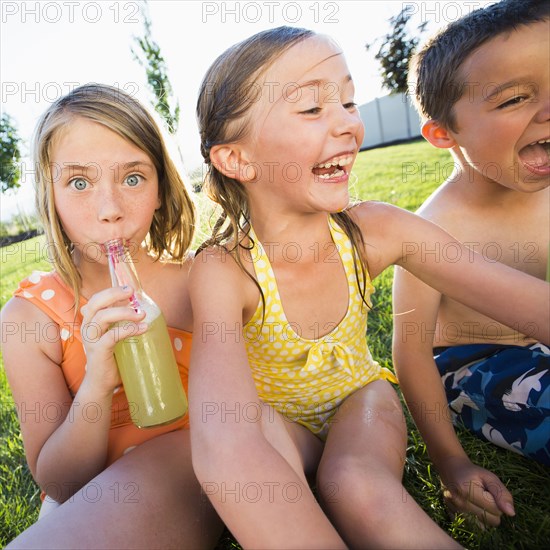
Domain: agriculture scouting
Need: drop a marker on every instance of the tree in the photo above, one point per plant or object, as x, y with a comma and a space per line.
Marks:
149, 56
10, 154
395, 52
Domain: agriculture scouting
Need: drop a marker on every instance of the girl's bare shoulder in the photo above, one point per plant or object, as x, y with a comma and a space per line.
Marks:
384, 228
27, 327
371, 213
216, 276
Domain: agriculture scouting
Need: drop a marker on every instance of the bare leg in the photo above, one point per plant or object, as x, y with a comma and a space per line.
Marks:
359, 477
149, 498
301, 449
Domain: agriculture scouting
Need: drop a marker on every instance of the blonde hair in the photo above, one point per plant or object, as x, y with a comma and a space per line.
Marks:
226, 95
173, 223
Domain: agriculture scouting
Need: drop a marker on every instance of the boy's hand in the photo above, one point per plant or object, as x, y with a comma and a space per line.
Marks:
99, 337
470, 489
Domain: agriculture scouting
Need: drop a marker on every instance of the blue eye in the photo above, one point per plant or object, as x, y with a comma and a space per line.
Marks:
132, 180
79, 183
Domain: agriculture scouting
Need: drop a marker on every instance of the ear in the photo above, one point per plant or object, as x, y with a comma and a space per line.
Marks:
437, 135
232, 162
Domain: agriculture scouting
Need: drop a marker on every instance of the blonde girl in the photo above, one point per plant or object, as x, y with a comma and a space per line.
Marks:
103, 171
283, 389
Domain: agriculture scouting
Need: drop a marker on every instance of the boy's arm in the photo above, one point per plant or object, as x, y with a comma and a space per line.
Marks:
471, 488
415, 307
237, 452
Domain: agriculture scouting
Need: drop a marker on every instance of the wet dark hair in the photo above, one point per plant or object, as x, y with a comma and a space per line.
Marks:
226, 95
435, 76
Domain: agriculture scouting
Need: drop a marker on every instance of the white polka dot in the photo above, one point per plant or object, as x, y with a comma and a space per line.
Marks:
178, 344
35, 277
48, 294
129, 449
346, 256
65, 334
27, 294
261, 277
261, 264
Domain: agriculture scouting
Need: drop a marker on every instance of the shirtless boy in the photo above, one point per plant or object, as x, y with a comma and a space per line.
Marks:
483, 89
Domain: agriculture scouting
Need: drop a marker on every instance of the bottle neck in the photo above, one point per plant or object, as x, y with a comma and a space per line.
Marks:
122, 269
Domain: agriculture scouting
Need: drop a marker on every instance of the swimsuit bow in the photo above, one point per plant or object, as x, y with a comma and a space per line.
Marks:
321, 352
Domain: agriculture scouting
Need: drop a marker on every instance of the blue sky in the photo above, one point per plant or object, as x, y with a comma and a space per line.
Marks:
49, 47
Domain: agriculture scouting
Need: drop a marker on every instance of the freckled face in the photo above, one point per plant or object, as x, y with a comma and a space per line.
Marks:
104, 186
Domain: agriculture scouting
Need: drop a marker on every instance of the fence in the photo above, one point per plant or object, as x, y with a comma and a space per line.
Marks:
389, 119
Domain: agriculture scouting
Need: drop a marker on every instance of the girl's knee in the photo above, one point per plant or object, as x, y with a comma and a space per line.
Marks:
344, 481
377, 411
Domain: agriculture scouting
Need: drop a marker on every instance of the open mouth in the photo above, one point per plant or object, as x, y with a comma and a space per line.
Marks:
332, 168
536, 155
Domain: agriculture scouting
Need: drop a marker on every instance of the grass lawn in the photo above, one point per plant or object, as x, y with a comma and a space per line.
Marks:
404, 175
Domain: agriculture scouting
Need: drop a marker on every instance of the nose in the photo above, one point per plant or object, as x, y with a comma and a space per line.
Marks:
348, 122
543, 114
110, 207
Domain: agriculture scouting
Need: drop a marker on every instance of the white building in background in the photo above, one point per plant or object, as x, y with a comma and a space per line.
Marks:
388, 120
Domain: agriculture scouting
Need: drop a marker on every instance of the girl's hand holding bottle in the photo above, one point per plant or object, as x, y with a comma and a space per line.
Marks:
107, 308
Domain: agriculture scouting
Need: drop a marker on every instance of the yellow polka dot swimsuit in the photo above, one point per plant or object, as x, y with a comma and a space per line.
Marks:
307, 380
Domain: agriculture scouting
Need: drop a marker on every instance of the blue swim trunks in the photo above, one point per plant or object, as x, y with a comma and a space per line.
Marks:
501, 394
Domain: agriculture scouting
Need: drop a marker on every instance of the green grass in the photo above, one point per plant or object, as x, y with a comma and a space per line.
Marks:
19, 495
404, 175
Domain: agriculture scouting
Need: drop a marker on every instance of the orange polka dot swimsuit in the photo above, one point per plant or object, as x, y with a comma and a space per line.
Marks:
49, 293
307, 380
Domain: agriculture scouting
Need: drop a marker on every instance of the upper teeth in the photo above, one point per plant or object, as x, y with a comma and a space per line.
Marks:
547, 140
337, 161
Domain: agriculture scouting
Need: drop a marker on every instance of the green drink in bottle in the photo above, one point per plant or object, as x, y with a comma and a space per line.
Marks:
146, 362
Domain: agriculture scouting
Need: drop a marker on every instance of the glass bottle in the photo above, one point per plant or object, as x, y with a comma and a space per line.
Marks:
146, 362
